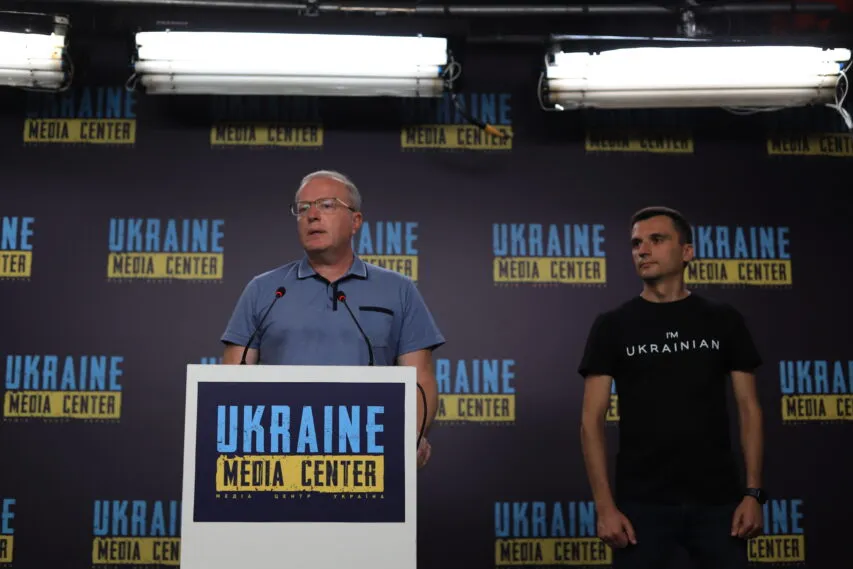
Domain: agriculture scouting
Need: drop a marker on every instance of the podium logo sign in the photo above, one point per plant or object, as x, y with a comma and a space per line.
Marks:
300, 452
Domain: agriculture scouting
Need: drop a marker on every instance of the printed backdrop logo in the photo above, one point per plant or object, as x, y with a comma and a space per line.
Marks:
83, 115
279, 122
610, 140
438, 124
298, 452
475, 391
7, 530
740, 256
818, 144
136, 532
166, 249
16, 247
389, 244
783, 541
816, 390
62, 388
533, 253
548, 534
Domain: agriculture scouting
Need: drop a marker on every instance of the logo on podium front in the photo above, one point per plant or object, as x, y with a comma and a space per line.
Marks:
300, 452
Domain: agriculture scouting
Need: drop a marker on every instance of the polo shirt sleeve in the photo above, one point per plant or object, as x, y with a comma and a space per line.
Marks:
418, 329
243, 318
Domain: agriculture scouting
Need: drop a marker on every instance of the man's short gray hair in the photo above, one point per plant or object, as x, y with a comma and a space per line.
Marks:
355, 196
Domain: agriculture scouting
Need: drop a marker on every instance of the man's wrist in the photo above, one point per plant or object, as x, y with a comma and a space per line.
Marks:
605, 505
758, 494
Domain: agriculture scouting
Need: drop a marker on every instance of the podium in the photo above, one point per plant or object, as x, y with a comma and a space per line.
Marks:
299, 467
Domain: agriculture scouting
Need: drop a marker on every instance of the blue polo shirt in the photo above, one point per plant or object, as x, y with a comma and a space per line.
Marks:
308, 326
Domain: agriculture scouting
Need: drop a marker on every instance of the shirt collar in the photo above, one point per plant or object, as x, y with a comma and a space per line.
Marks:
357, 269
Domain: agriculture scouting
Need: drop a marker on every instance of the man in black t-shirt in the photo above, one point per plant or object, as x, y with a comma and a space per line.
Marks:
671, 354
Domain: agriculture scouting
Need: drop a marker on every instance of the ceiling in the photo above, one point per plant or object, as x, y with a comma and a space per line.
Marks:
484, 21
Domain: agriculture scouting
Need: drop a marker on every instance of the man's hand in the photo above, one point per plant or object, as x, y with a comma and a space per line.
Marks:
615, 529
424, 452
748, 519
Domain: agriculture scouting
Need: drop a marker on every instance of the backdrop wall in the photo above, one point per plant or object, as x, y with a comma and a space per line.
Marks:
85, 173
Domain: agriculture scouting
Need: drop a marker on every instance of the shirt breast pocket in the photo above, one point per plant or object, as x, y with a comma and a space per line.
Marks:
378, 323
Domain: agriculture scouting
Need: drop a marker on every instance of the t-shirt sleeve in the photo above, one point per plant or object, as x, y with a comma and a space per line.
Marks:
418, 330
243, 318
599, 356
743, 354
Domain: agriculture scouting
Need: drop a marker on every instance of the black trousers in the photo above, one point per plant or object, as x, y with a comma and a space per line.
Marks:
703, 531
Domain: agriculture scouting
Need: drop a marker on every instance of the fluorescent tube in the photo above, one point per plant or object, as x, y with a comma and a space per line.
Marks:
290, 64
695, 77
271, 85
31, 60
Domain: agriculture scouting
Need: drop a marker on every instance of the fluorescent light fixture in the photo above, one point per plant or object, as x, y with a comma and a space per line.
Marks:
671, 77
32, 60
290, 64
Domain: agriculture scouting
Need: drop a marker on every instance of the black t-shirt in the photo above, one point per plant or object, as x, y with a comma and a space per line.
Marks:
671, 364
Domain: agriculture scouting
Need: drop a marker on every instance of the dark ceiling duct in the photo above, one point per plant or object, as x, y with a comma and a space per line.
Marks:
474, 10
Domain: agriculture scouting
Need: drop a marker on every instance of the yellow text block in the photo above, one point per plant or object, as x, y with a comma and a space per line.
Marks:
136, 551
267, 134
404, 264
291, 473
7, 547
485, 408
80, 131
817, 407
553, 551
185, 266
16, 264
746, 272
455, 137
550, 270
62, 404
777, 548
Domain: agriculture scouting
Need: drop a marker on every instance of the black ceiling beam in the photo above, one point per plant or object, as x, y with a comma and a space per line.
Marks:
475, 10
475, 22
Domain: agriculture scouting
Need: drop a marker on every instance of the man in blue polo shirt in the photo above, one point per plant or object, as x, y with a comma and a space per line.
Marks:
309, 326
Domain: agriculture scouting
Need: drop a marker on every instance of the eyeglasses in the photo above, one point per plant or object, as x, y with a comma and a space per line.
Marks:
325, 205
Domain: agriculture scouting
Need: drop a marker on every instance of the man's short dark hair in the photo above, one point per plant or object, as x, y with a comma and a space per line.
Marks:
682, 227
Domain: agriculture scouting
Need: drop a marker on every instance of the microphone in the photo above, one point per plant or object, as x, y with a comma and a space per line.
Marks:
279, 292
342, 298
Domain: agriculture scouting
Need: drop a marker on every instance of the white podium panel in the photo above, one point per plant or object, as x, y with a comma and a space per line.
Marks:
299, 467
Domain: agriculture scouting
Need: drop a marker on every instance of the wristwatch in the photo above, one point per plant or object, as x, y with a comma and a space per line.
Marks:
758, 493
